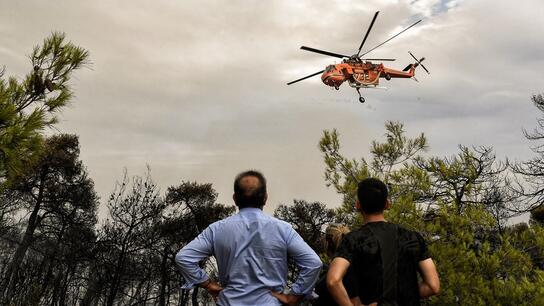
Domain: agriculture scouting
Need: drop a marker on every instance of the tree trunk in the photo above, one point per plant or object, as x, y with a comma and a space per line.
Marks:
9, 281
184, 297
194, 297
57, 287
65, 282
94, 287
50, 263
164, 277
136, 298
116, 279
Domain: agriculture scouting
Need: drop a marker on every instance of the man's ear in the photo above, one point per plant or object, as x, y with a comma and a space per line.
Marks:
234, 198
387, 204
265, 198
358, 205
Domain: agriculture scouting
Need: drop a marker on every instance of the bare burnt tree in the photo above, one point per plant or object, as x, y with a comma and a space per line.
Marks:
193, 206
68, 256
134, 207
473, 177
532, 171
134, 256
56, 197
309, 219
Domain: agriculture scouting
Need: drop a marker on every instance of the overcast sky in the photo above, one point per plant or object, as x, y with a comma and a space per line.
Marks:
196, 89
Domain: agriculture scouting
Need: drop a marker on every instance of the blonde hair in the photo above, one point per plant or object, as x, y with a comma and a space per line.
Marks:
334, 234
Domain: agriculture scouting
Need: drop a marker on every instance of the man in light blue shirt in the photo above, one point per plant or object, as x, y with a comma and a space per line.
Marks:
251, 250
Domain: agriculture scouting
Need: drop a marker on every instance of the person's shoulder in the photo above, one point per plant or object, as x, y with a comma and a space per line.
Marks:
279, 222
408, 234
225, 221
362, 232
404, 229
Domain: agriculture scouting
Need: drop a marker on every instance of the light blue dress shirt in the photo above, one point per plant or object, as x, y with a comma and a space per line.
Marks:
251, 250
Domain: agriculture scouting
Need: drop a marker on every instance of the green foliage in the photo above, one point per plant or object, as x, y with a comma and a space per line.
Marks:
537, 215
460, 205
28, 106
391, 161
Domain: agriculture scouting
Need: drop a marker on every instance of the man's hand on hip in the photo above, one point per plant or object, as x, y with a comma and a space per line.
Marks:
287, 299
213, 288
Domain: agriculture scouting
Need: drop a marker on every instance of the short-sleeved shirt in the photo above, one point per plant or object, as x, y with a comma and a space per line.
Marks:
325, 298
385, 258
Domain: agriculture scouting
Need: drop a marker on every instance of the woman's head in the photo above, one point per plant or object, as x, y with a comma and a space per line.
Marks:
334, 234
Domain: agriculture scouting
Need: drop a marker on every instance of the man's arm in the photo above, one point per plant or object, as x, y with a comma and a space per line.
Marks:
309, 265
338, 268
431, 283
189, 257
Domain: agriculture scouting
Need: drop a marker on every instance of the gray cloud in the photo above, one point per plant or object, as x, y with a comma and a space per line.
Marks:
197, 89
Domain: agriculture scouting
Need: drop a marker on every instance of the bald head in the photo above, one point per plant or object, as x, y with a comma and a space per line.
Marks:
250, 189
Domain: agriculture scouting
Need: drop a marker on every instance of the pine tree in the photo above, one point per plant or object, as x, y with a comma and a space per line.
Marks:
459, 204
30, 105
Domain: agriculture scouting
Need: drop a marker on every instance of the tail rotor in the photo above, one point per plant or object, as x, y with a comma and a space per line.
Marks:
418, 62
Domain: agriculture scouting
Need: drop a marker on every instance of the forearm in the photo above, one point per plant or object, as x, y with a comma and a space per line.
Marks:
305, 283
189, 259
339, 293
309, 267
191, 271
430, 284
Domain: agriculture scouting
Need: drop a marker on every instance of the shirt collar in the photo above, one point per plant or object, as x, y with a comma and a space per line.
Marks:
250, 210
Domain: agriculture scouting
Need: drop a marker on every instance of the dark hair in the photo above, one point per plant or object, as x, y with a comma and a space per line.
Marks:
248, 196
372, 195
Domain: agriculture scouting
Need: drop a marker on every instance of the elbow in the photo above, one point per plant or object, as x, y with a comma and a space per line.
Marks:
181, 260
332, 281
435, 288
317, 264
312, 264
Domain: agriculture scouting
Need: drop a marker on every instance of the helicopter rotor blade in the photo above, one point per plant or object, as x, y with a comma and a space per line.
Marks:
424, 68
413, 56
379, 59
368, 32
413, 24
323, 52
419, 62
306, 77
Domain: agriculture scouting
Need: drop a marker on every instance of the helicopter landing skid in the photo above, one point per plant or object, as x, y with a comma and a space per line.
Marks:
361, 99
359, 85
377, 87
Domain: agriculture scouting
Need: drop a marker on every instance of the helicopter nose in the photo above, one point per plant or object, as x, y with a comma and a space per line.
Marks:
332, 79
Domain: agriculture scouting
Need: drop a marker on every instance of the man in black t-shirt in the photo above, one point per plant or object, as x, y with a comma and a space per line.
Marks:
385, 257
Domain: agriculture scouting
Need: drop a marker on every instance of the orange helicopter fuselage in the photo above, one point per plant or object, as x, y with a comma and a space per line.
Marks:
361, 74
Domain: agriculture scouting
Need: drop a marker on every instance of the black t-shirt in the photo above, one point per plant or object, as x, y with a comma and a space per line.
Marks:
325, 298
379, 253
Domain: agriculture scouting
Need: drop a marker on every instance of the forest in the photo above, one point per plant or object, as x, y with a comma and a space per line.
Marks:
56, 250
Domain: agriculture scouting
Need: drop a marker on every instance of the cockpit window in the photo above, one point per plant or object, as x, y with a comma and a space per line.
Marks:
329, 68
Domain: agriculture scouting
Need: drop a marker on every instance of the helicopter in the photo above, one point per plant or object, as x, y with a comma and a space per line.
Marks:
360, 72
